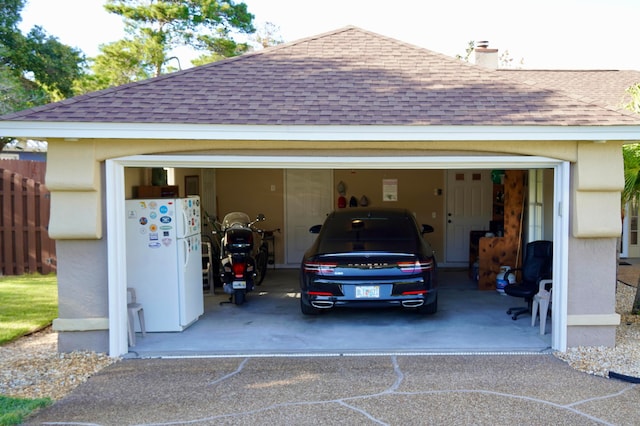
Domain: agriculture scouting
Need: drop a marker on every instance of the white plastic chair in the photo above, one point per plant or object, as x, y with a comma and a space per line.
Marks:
134, 307
542, 300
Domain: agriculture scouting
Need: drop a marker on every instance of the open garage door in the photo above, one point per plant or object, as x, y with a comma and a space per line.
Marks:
115, 198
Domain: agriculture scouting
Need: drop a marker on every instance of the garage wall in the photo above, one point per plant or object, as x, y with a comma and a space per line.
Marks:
415, 192
178, 179
253, 191
81, 188
134, 176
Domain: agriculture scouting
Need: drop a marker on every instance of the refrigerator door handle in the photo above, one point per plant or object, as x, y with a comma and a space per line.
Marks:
185, 221
186, 242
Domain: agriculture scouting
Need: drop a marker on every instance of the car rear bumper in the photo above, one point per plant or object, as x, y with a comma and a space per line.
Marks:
321, 299
321, 302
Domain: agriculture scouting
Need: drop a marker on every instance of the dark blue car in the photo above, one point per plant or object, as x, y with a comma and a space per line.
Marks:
369, 257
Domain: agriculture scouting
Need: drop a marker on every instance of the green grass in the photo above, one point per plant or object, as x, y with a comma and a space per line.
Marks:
27, 303
14, 410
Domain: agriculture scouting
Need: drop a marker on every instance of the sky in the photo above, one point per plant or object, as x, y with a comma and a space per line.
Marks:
544, 34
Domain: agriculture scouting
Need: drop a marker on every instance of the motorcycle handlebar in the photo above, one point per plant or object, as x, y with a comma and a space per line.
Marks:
268, 232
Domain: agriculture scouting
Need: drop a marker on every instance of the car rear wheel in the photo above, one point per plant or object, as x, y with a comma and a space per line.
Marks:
429, 309
308, 309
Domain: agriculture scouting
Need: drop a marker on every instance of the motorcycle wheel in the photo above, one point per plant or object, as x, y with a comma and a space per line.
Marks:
215, 270
261, 265
238, 297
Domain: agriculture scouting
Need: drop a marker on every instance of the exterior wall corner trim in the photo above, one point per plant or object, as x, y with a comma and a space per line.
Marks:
593, 320
80, 324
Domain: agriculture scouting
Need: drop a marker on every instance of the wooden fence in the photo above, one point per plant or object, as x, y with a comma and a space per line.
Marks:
29, 169
25, 246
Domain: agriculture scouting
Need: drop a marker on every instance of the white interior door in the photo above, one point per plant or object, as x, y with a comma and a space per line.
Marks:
308, 200
469, 203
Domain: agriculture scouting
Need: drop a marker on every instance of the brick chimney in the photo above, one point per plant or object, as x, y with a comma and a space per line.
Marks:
484, 56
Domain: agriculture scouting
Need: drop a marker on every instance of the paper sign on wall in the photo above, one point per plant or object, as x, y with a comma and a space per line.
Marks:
389, 189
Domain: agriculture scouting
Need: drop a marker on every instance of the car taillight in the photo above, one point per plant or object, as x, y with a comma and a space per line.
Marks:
320, 268
413, 292
415, 267
238, 269
320, 293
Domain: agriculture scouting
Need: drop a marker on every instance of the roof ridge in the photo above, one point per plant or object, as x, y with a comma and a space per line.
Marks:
270, 49
215, 64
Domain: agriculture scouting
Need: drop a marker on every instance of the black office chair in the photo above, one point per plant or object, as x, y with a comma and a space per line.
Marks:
536, 265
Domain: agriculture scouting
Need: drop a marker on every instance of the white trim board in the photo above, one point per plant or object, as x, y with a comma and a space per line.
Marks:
338, 162
316, 133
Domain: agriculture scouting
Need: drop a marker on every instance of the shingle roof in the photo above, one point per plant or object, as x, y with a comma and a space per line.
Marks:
603, 87
345, 77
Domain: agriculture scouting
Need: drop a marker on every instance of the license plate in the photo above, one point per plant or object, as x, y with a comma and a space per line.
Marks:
370, 292
239, 284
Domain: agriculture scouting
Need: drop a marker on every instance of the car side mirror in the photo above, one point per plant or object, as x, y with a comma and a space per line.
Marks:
315, 229
427, 229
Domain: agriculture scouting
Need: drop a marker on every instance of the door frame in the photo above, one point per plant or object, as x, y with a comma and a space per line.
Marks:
115, 212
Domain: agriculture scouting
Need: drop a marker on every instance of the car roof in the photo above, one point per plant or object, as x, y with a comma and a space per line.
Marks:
371, 212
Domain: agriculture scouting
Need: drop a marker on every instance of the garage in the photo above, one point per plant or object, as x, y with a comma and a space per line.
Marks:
469, 320
360, 108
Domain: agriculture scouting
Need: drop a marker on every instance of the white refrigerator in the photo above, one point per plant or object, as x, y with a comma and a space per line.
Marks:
164, 261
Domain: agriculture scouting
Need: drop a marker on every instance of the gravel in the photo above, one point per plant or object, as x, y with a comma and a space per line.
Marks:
624, 358
31, 367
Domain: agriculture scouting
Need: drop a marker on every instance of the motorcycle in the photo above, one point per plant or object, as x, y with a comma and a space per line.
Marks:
244, 256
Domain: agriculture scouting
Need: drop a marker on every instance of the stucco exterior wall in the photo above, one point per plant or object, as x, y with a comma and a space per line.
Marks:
74, 172
73, 167
598, 178
75, 179
591, 316
83, 302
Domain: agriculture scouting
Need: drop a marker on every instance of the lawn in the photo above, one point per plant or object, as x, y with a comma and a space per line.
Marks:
27, 303
14, 410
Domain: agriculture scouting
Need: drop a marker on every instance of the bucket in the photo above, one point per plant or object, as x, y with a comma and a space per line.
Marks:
503, 278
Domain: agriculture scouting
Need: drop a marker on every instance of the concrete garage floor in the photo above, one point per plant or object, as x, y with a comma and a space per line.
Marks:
270, 323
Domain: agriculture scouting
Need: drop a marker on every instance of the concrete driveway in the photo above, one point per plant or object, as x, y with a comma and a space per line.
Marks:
354, 390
